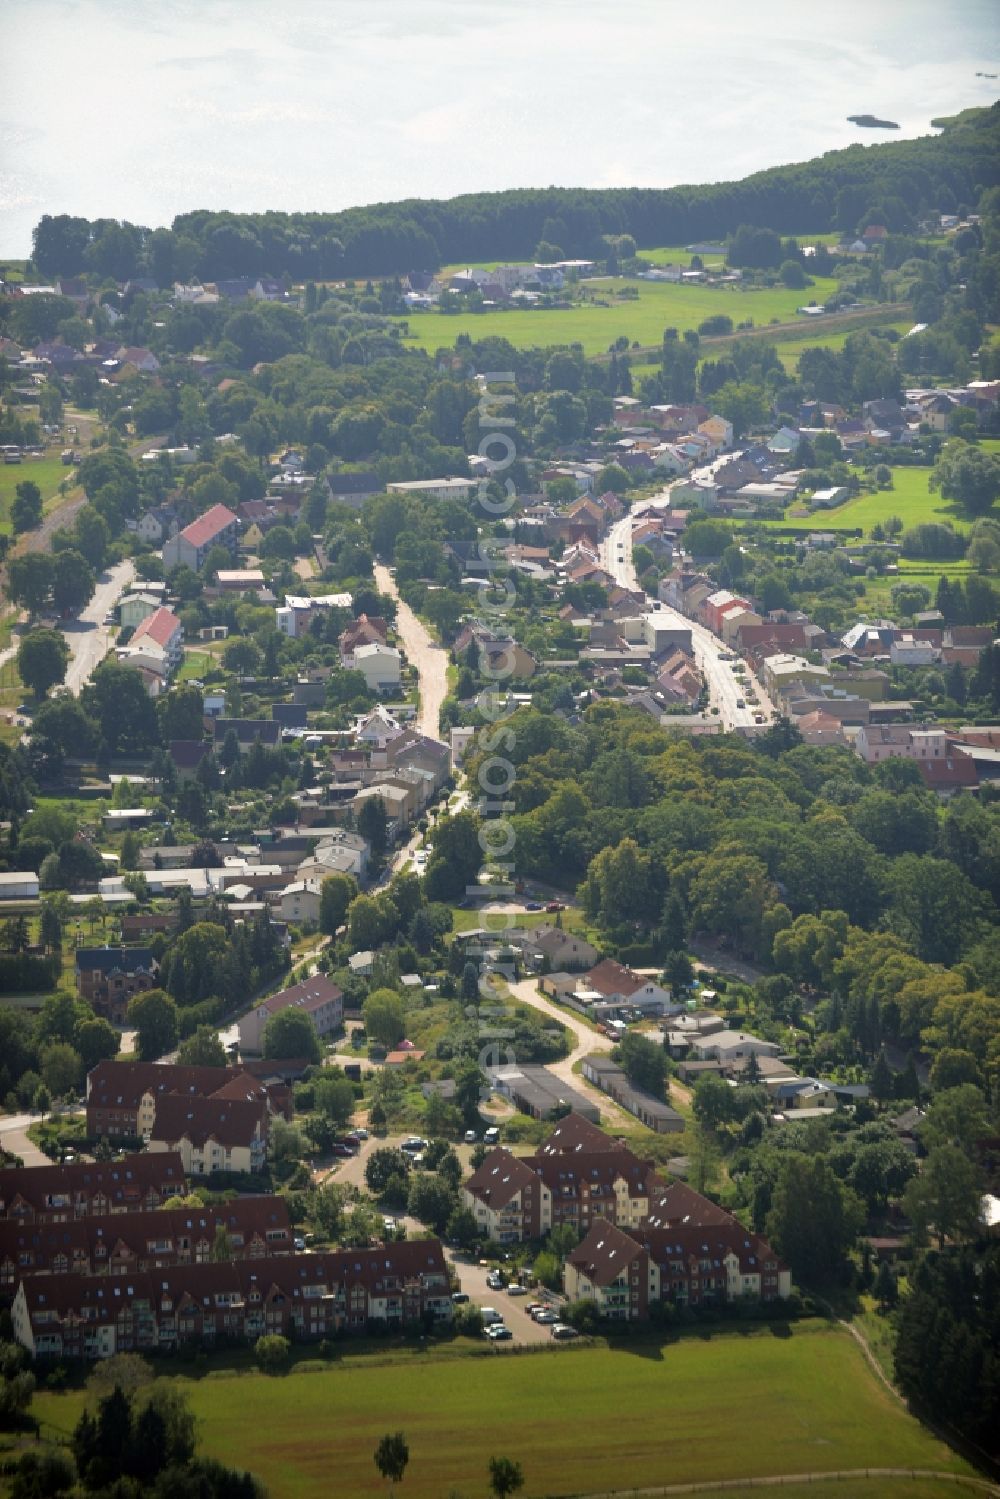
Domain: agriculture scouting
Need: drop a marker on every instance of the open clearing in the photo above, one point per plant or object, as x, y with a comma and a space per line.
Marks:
47, 473
580, 1421
911, 498
605, 315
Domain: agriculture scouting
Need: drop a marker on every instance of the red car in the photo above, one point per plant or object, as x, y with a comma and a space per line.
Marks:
555, 905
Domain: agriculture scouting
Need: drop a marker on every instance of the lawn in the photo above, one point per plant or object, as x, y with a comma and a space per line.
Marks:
196, 665
604, 315
47, 473
911, 498
579, 1421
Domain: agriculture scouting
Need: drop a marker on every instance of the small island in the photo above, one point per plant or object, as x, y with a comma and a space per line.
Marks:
872, 122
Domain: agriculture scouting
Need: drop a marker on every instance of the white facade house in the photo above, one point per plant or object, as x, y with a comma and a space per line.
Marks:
380, 665
300, 901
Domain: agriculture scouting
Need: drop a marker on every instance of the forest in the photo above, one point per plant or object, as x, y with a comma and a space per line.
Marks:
896, 182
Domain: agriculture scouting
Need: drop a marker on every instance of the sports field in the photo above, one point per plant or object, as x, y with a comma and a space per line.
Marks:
605, 315
579, 1421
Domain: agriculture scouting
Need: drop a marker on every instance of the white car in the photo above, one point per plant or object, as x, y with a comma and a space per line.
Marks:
516, 1290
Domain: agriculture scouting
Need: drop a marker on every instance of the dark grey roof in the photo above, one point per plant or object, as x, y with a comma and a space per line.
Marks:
115, 959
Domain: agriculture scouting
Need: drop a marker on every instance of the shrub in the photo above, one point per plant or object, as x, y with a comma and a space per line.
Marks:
272, 1353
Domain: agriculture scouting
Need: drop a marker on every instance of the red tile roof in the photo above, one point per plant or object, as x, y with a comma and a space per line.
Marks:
124, 1183
605, 1253
610, 977
142, 1235
208, 525
230, 1122
499, 1179
160, 626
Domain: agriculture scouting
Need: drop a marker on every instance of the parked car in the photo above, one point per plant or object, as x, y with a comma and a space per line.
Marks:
534, 1306
555, 905
341, 1150
495, 1280
459, 1297
545, 1318
361, 1132
413, 1143
498, 1332
563, 1332
299, 1242
389, 1224
532, 905
470, 1137
490, 1316
516, 1290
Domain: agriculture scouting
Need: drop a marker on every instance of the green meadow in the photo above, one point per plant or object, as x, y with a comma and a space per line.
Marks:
603, 314
911, 498
47, 473
580, 1421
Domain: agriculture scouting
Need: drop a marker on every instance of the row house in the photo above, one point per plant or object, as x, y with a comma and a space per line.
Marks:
247, 1228
516, 1198
510, 1203
81, 1189
624, 1273
212, 1134
123, 1097
299, 1296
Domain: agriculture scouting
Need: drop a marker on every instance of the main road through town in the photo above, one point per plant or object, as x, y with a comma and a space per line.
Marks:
724, 690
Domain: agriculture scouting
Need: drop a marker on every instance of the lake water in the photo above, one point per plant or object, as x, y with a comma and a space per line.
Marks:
141, 109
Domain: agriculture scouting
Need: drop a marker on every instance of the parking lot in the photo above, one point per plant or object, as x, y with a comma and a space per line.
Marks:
472, 1279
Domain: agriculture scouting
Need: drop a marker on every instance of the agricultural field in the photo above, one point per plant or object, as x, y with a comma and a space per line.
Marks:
47, 473
801, 1402
604, 315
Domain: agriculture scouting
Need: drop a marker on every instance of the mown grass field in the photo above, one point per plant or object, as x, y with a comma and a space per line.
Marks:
579, 1421
47, 473
911, 498
884, 1487
640, 318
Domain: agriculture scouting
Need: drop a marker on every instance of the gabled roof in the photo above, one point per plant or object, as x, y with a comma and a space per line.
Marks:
120, 1085
136, 1233
228, 1121
123, 1182
499, 1179
161, 626
609, 977
574, 1134
212, 523
309, 995
676, 1202
604, 1253
115, 960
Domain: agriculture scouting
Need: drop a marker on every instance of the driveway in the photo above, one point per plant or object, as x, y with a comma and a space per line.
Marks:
585, 1043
